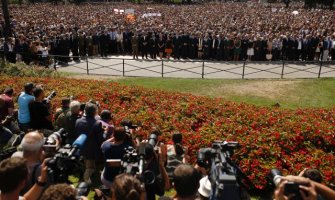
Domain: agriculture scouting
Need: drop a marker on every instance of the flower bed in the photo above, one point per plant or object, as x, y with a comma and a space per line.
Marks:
270, 137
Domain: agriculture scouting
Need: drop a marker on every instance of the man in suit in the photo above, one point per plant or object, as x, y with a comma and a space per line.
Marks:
91, 150
176, 43
135, 46
333, 48
184, 45
153, 46
74, 46
103, 40
144, 43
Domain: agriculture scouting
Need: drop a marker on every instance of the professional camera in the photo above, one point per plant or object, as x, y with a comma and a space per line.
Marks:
66, 161
224, 174
128, 125
54, 141
50, 97
290, 189
134, 163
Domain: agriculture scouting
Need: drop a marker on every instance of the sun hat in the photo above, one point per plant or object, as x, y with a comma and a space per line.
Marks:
205, 187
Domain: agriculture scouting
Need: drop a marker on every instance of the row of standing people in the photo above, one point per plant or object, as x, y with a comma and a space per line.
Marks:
159, 45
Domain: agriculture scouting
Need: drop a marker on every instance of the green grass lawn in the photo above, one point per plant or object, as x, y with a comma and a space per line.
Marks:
289, 93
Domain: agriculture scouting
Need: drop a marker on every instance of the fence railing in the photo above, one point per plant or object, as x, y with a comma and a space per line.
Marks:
196, 68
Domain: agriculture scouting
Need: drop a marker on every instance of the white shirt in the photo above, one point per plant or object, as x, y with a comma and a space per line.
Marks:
299, 44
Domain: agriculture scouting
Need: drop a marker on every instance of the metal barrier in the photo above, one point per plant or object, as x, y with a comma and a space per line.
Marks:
197, 68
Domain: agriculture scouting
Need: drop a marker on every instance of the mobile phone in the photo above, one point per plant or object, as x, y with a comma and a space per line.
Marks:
292, 189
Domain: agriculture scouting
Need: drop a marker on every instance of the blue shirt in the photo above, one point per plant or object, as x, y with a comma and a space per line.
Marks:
112, 151
23, 101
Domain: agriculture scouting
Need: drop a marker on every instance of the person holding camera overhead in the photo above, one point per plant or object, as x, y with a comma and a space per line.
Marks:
40, 115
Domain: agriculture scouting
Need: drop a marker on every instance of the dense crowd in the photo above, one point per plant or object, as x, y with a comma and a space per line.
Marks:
218, 31
29, 173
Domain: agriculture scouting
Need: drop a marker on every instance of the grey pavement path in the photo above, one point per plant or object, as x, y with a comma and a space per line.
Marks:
114, 66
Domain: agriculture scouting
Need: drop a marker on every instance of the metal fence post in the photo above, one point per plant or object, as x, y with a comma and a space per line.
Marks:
55, 63
122, 67
282, 71
88, 73
162, 68
203, 70
243, 70
320, 69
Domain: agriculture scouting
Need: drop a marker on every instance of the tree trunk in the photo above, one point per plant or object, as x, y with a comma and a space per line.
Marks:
7, 28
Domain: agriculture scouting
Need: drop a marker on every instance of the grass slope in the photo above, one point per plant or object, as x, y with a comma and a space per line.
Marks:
289, 93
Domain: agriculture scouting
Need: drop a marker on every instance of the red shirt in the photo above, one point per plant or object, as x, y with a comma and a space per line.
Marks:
8, 104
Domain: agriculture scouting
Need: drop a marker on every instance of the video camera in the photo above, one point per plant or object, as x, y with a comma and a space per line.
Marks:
128, 125
224, 174
134, 163
50, 97
66, 161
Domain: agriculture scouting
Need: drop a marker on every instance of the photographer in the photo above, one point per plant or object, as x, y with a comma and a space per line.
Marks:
7, 111
13, 175
155, 164
107, 121
8, 108
60, 115
5, 134
40, 116
70, 121
176, 154
23, 101
127, 187
308, 189
32, 151
91, 150
113, 148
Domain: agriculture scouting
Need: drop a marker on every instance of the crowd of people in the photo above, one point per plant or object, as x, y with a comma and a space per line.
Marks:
229, 31
27, 173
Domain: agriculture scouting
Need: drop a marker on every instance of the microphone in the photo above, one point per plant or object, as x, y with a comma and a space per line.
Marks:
78, 144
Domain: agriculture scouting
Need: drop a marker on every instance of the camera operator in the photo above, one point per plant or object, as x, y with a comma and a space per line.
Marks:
40, 116
113, 148
32, 151
308, 189
61, 192
13, 176
155, 164
70, 121
60, 115
176, 154
91, 150
107, 121
127, 187
23, 101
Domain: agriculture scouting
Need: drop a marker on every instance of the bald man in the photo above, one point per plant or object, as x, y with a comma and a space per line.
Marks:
32, 151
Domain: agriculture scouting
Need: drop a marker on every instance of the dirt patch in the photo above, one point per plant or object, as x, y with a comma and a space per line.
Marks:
95, 77
267, 88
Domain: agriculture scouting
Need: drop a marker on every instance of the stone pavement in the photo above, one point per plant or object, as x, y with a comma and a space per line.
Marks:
125, 66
